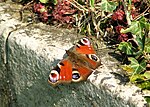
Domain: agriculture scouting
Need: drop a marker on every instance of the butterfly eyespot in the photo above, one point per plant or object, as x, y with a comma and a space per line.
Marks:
53, 76
75, 76
85, 41
93, 57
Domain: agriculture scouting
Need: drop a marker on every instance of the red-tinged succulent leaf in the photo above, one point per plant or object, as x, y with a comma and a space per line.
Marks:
118, 28
42, 12
63, 12
118, 15
134, 12
134, 1
123, 37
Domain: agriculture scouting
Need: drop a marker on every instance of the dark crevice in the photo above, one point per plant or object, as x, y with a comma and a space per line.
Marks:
8, 91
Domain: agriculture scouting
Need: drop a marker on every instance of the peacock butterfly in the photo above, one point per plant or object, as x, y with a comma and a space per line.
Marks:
80, 62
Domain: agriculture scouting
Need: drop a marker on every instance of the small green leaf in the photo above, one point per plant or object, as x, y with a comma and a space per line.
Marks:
144, 24
126, 47
92, 3
136, 78
140, 42
43, 1
144, 85
147, 45
55, 2
108, 6
147, 74
138, 67
147, 98
43, 10
127, 68
81, 2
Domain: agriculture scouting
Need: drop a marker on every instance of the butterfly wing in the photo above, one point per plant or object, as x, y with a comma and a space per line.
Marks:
85, 51
80, 73
62, 73
66, 72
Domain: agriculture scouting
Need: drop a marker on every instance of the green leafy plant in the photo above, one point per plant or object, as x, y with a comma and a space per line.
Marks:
137, 49
139, 55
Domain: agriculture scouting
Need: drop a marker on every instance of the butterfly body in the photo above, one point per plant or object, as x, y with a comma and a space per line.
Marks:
77, 66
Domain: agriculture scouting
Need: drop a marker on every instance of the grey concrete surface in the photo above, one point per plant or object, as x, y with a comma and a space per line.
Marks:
28, 53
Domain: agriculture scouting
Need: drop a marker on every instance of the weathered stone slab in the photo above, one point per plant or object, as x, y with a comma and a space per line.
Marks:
28, 54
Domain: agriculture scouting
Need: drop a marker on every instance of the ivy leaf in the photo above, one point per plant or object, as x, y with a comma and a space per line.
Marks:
126, 47
43, 1
108, 6
138, 67
147, 45
147, 74
141, 44
134, 28
137, 27
144, 23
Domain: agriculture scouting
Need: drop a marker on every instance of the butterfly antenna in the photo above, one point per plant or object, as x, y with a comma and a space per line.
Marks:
57, 47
